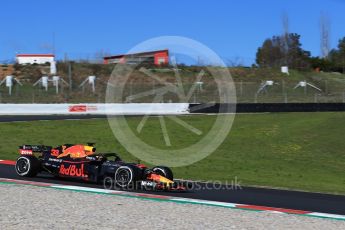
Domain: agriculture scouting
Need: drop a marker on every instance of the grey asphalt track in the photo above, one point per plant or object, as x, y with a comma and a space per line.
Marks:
306, 201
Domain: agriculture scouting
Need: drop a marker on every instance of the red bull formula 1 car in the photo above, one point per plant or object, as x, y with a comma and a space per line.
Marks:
82, 162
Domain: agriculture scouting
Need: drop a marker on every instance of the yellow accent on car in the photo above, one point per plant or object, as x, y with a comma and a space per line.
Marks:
89, 148
165, 180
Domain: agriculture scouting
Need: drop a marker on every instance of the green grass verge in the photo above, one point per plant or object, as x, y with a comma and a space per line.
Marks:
302, 151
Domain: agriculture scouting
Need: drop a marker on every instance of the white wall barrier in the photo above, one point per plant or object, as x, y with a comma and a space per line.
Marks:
99, 109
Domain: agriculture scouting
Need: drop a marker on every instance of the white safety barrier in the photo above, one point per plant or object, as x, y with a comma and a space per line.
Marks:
99, 109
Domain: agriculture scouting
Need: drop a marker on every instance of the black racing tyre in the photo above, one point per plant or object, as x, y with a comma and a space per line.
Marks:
27, 166
163, 171
108, 182
126, 177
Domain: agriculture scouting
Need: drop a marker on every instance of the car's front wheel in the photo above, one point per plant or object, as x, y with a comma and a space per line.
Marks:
27, 166
163, 171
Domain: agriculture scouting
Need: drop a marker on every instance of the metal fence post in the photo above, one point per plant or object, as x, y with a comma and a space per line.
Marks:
315, 98
283, 87
241, 88
70, 76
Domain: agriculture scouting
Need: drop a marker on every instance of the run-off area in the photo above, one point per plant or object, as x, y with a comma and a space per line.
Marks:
55, 208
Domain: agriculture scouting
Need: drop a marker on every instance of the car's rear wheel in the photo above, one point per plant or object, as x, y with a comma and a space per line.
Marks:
125, 177
27, 166
163, 171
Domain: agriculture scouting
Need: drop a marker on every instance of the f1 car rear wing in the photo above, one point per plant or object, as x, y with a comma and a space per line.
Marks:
30, 149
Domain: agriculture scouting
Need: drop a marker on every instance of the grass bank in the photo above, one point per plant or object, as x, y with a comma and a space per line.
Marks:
302, 151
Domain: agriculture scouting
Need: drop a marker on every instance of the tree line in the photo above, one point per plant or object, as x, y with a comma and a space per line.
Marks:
286, 50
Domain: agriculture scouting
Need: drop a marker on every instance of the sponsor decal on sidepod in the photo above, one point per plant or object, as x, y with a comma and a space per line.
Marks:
72, 170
